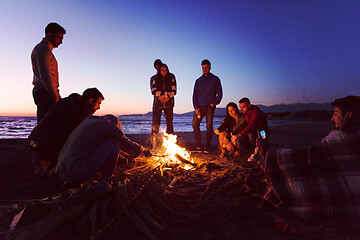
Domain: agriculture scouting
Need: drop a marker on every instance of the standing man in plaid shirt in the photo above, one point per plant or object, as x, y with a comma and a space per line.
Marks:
320, 183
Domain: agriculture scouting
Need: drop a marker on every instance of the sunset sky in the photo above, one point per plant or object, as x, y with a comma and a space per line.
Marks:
273, 52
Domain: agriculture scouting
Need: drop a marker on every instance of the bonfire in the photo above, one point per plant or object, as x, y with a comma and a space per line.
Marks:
103, 205
174, 155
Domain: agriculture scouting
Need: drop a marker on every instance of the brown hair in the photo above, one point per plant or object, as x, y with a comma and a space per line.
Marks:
349, 104
54, 28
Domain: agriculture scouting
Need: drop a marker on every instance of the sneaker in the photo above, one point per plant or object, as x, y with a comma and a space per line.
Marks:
254, 157
198, 149
206, 150
222, 152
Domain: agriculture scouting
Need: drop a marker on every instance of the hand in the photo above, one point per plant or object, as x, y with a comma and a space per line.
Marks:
197, 111
212, 105
234, 138
147, 153
166, 99
162, 98
216, 131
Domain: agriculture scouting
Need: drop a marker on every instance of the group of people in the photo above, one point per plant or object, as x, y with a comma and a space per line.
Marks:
58, 117
237, 133
68, 140
239, 130
318, 183
207, 94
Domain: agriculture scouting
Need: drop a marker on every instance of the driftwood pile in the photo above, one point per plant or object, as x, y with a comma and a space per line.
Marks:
101, 206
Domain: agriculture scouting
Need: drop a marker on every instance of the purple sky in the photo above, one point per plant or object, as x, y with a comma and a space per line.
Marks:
272, 52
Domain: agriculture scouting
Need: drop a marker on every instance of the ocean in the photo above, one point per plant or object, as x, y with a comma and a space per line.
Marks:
20, 127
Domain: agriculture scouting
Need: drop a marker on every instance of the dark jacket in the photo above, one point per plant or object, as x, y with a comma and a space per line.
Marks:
256, 121
55, 127
228, 125
207, 90
161, 85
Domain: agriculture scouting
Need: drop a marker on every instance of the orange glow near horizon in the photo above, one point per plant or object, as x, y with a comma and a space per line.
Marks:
101, 112
18, 114
22, 114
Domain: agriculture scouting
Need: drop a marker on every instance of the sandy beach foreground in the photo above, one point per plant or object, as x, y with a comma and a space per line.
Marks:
222, 199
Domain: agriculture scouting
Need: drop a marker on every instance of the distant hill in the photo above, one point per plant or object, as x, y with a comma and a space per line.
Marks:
317, 115
278, 108
297, 107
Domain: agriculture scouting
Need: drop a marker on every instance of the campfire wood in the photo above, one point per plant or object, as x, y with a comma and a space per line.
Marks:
183, 160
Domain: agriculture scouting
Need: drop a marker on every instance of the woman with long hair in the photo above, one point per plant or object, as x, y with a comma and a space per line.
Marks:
163, 87
232, 124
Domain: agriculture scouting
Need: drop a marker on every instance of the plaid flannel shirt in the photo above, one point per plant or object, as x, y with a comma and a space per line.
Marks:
320, 183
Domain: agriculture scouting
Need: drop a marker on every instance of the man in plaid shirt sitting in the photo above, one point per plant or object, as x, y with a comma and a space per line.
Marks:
320, 183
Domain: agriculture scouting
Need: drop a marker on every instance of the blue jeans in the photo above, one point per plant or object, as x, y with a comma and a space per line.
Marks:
208, 112
43, 101
156, 117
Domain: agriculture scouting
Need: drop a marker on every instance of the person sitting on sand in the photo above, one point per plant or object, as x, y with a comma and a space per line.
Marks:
49, 136
93, 148
233, 123
256, 121
319, 183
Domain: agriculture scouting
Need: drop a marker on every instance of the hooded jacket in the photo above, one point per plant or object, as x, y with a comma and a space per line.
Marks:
161, 85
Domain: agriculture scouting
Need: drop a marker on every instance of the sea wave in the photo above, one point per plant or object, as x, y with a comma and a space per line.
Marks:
21, 127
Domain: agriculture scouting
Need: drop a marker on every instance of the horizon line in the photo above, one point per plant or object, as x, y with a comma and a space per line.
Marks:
22, 114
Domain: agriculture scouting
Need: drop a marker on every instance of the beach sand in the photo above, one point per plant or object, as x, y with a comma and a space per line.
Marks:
222, 199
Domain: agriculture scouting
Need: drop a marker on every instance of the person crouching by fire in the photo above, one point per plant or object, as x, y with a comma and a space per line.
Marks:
93, 148
245, 141
233, 124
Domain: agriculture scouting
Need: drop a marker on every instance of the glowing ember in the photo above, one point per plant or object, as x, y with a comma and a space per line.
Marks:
174, 154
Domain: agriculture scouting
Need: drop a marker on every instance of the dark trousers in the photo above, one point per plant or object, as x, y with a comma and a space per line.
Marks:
156, 117
247, 143
43, 101
208, 112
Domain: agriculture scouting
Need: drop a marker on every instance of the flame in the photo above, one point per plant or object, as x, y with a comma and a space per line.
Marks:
174, 153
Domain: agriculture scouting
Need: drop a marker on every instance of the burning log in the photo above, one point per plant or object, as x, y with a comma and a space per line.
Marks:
183, 160
173, 154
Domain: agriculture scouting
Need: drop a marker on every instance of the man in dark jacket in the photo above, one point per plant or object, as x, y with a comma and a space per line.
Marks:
256, 122
49, 136
207, 94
